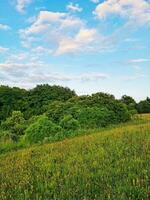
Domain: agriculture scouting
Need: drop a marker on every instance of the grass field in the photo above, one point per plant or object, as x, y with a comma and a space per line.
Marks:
111, 164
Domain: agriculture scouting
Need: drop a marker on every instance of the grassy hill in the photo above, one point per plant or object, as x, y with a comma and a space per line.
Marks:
110, 164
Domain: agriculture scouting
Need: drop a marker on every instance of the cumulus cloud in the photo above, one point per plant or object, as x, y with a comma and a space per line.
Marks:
4, 27
22, 4
74, 7
47, 20
133, 10
80, 42
63, 32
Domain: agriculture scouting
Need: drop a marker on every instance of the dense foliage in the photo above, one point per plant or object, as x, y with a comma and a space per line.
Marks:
53, 112
30, 102
111, 164
41, 129
15, 125
144, 106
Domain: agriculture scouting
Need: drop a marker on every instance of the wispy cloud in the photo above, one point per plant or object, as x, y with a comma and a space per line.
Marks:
138, 61
55, 77
4, 27
3, 49
134, 77
74, 7
22, 4
7, 66
95, 1
30, 74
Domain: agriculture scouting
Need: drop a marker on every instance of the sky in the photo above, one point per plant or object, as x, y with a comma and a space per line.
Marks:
87, 45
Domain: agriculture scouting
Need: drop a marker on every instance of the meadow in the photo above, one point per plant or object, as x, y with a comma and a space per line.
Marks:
108, 164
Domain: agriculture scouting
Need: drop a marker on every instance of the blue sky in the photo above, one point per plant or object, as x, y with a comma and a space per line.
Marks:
87, 45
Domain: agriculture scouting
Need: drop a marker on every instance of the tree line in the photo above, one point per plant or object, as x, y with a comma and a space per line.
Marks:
53, 112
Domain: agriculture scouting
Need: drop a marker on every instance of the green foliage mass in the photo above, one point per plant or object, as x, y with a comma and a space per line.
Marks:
41, 129
15, 124
68, 123
144, 106
42, 95
44, 110
30, 102
11, 99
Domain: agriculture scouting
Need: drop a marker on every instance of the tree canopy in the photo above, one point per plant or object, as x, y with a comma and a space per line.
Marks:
54, 111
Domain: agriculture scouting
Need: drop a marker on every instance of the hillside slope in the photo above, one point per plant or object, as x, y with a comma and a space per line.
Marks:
113, 164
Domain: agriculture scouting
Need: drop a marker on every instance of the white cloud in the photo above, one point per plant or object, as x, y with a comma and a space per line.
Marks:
64, 33
45, 78
54, 77
7, 66
31, 73
95, 1
39, 50
74, 7
138, 61
43, 22
3, 49
4, 27
92, 77
22, 4
137, 11
134, 77
80, 42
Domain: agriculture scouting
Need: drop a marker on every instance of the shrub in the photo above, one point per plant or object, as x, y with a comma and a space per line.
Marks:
69, 123
95, 117
121, 112
4, 135
55, 111
15, 124
40, 129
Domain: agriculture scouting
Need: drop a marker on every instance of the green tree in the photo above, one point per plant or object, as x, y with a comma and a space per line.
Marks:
40, 129
43, 95
129, 101
11, 99
144, 106
95, 117
15, 124
69, 123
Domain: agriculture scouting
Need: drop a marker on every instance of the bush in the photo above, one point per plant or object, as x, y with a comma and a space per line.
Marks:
55, 111
4, 135
69, 123
14, 124
95, 117
40, 129
121, 112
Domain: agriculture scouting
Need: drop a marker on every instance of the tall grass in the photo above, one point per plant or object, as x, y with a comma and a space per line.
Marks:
113, 164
